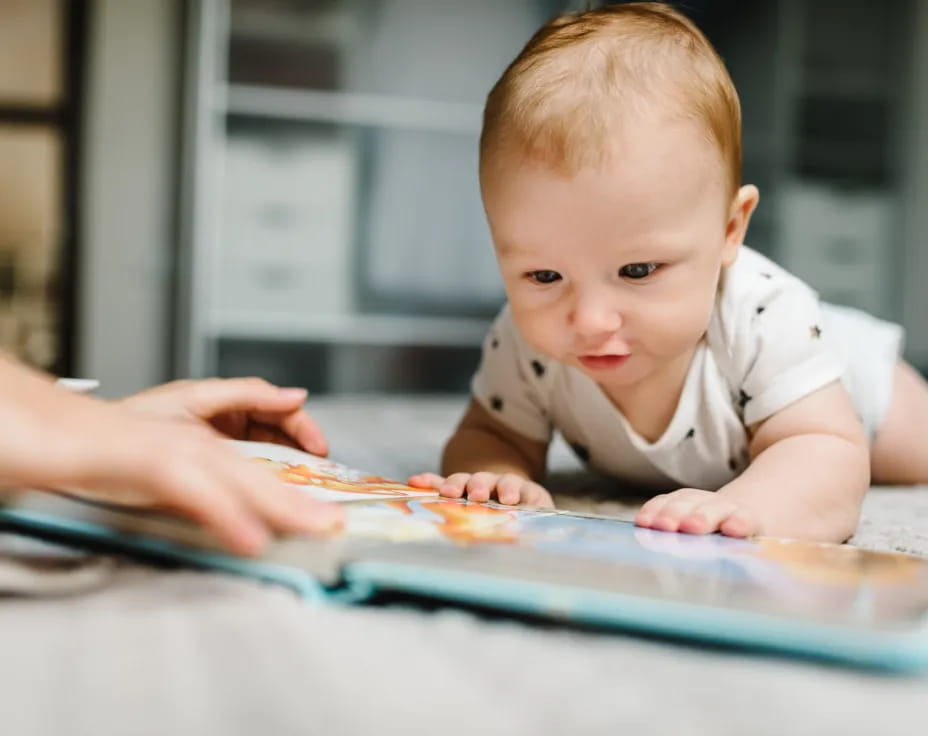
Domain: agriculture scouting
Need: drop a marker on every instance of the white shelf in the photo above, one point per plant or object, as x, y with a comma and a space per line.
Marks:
361, 329
352, 108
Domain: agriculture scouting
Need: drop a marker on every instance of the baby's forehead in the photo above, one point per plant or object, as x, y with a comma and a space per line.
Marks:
532, 208
653, 152
659, 137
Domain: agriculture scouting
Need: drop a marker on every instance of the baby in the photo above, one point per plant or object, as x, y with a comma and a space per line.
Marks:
667, 354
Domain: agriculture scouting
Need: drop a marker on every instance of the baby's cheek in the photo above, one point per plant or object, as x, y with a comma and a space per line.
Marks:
542, 329
678, 325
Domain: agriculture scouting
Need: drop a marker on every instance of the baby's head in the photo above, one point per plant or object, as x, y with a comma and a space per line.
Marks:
610, 166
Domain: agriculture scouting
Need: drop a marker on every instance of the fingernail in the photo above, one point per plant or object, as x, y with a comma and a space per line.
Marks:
294, 393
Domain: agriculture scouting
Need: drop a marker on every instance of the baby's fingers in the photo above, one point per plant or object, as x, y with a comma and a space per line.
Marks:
707, 518
454, 485
509, 489
673, 512
649, 511
481, 485
426, 480
534, 495
665, 512
740, 524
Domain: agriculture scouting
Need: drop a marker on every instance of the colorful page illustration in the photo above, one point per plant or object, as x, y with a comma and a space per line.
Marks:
791, 579
324, 479
441, 520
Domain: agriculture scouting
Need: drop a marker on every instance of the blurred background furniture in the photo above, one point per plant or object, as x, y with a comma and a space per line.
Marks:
288, 187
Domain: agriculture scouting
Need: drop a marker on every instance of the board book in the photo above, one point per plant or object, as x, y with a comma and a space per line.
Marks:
816, 600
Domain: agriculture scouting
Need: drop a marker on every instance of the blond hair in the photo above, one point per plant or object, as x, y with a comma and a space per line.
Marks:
559, 100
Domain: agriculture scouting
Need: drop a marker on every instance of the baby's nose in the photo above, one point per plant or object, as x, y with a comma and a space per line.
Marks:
595, 317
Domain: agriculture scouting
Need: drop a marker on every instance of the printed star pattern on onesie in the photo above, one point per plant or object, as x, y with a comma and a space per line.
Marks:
766, 347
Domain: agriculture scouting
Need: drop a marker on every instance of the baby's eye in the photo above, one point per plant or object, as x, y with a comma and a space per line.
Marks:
638, 270
544, 277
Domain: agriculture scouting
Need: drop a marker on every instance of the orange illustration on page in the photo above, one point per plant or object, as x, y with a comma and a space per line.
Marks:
337, 479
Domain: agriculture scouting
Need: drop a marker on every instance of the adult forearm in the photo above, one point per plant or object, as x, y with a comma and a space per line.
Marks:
806, 487
25, 397
14, 377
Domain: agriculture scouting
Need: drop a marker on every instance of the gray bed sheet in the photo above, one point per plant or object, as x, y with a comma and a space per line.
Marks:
99, 645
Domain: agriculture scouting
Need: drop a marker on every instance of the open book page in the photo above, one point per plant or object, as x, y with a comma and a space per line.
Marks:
778, 578
567, 556
325, 479
391, 527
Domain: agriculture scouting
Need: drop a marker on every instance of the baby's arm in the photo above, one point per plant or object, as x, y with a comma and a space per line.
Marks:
809, 471
484, 457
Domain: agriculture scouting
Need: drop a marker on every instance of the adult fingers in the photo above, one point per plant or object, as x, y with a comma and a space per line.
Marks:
298, 425
195, 492
281, 507
238, 500
265, 433
214, 396
268, 404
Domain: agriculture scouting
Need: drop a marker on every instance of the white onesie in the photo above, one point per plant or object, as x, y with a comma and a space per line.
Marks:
770, 342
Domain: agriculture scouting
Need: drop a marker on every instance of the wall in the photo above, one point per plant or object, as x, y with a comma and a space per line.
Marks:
127, 192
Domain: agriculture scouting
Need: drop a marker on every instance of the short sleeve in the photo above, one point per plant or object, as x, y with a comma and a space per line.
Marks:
509, 383
774, 332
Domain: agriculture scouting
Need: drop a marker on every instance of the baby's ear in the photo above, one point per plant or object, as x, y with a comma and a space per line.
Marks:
739, 216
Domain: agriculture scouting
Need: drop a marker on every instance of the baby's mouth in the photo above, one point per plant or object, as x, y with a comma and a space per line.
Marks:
603, 362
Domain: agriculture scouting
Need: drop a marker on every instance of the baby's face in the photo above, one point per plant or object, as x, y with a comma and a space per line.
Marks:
614, 271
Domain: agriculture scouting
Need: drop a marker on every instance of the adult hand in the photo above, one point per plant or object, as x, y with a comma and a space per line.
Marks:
61, 441
239, 408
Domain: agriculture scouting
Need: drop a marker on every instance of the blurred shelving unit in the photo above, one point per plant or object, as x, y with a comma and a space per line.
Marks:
825, 90
332, 229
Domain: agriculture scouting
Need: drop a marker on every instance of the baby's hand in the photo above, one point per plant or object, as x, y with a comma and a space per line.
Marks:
697, 512
510, 489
